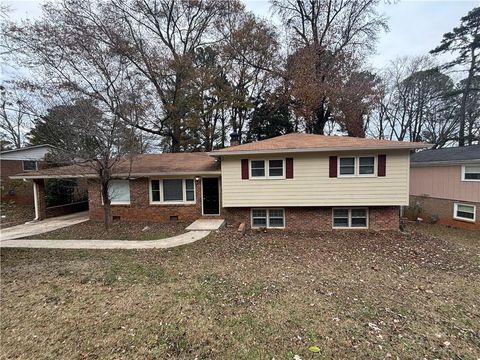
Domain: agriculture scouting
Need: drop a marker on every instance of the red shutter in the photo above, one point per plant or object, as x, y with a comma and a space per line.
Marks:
244, 168
333, 166
289, 168
382, 165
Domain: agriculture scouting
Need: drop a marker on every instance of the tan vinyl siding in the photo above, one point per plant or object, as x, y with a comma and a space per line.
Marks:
312, 186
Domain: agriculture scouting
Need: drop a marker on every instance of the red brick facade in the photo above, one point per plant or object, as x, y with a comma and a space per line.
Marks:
425, 207
319, 218
17, 191
140, 207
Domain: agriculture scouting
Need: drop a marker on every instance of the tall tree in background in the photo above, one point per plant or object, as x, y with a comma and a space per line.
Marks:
15, 115
270, 118
465, 42
330, 39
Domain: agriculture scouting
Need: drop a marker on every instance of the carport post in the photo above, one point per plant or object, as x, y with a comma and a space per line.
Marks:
39, 199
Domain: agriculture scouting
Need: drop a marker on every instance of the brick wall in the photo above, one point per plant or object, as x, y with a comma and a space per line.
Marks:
17, 191
425, 207
140, 208
380, 218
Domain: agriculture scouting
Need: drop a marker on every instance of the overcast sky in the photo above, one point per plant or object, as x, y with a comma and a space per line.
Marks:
416, 26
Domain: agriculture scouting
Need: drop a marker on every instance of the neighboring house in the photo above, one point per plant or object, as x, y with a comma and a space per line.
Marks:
294, 181
27, 159
445, 186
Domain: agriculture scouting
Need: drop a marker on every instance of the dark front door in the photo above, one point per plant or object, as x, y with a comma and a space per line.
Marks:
210, 196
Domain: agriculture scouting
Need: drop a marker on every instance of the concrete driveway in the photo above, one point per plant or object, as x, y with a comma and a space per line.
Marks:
40, 227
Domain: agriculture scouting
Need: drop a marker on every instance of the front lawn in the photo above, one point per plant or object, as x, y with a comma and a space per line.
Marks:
261, 296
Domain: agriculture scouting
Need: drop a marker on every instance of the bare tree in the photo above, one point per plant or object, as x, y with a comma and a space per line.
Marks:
330, 38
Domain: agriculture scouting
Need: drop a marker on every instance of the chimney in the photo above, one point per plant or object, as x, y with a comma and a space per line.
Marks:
234, 139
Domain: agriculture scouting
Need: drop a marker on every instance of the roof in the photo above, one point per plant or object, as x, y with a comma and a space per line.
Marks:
299, 142
140, 165
444, 155
36, 152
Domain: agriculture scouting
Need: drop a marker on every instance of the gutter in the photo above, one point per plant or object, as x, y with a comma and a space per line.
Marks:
443, 163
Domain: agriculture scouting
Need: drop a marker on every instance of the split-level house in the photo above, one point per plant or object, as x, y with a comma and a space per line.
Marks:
445, 186
26, 160
294, 181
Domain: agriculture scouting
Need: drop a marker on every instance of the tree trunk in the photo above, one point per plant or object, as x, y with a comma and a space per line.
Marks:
107, 213
463, 104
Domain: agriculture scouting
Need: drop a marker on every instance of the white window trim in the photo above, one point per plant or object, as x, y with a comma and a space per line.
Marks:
356, 166
463, 173
184, 192
267, 210
23, 165
455, 209
349, 227
267, 169
113, 203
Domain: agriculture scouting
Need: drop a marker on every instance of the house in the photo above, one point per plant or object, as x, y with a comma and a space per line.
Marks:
445, 186
294, 181
26, 160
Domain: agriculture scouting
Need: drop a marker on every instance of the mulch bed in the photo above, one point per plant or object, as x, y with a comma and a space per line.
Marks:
12, 215
120, 230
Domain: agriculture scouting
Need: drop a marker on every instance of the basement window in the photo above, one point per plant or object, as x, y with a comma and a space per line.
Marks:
268, 218
345, 218
464, 212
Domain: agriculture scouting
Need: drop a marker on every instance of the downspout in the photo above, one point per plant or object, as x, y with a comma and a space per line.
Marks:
35, 200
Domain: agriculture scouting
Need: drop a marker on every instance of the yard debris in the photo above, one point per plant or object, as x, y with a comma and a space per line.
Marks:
241, 228
374, 327
314, 349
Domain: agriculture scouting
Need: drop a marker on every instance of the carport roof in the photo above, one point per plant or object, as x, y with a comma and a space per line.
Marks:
140, 165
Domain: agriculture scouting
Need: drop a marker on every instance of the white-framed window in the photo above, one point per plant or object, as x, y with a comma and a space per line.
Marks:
357, 166
465, 212
172, 191
344, 218
29, 165
267, 169
269, 218
119, 192
471, 173
257, 168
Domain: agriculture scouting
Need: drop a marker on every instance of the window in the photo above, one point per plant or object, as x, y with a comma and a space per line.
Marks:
350, 218
270, 218
347, 166
267, 169
258, 168
259, 218
29, 165
275, 168
464, 212
190, 190
357, 166
366, 165
155, 190
172, 191
119, 192
471, 173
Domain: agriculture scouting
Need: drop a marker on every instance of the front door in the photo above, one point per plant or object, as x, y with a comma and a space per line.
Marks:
210, 199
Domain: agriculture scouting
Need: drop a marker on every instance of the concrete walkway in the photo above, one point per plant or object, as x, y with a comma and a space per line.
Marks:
178, 240
40, 227
206, 224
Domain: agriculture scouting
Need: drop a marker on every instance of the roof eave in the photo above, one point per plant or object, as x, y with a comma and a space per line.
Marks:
444, 162
330, 149
120, 175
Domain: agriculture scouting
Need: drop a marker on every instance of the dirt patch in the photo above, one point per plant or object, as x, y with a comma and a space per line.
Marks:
264, 295
12, 215
120, 230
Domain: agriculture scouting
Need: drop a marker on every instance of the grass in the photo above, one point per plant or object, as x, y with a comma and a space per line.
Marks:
258, 296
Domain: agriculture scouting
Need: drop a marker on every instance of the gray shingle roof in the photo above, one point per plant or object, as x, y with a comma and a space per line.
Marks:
471, 152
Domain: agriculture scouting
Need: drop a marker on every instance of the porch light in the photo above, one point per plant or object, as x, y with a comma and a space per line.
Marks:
197, 178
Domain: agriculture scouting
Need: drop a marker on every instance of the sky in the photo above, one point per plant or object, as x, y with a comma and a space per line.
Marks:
416, 26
